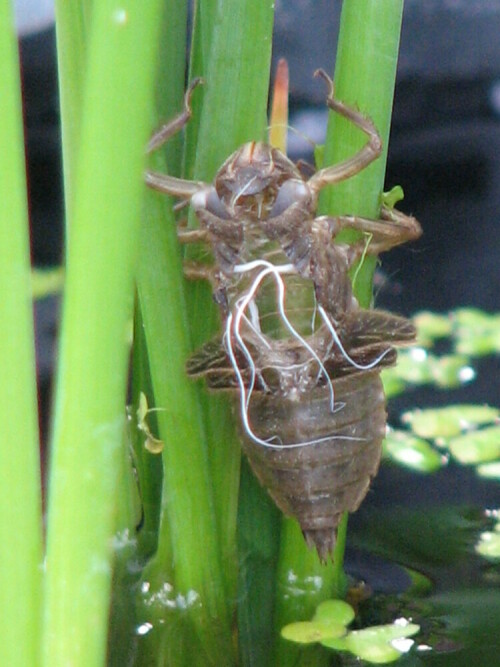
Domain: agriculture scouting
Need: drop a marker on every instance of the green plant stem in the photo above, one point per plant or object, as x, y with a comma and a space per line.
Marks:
72, 20
302, 582
364, 76
171, 76
20, 500
339, 578
93, 356
187, 518
201, 455
365, 73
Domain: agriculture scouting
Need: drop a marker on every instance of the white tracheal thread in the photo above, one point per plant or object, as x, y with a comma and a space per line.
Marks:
233, 325
243, 302
337, 341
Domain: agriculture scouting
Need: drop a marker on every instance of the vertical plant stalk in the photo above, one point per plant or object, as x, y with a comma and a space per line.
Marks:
201, 474
170, 78
364, 77
233, 112
72, 20
365, 74
235, 56
93, 359
20, 500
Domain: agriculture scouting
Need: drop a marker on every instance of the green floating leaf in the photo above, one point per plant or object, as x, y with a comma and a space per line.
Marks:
393, 384
431, 326
377, 654
337, 611
378, 644
489, 470
307, 632
412, 367
477, 333
489, 544
412, 452
451, 371
477, 446
449, 421
328, 622
416, 366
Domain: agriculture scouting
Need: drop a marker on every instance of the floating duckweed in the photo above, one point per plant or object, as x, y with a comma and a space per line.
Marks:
432, 326
450, 371
477, 446
477, 333
337, 610
378, 644
489, 544
489, 470
412, 452
393, 384
307, 632
449, 421
413, 366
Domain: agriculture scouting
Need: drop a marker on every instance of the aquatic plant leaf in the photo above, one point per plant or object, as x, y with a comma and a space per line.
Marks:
451, 370
334, 610
393, 384
477, 333
412, 452
431, 326
449, 421
489, 544
375, 644
413, 366
489, 470
307, 632
477, 446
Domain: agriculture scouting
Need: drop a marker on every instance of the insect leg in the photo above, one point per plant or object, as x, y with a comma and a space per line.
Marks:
393, 228
192, 235
353, 165
199, 271
173, 126
170, 185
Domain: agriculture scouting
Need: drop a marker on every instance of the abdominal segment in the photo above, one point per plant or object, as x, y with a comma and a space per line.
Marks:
321, 461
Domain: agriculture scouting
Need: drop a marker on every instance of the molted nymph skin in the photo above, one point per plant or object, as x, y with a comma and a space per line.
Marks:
297, 351
317, 483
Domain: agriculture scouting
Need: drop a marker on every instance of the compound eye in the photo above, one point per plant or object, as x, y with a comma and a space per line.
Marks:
291, 192
209, 200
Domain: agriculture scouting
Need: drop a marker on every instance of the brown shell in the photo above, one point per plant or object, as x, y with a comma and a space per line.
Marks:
316, 483
261, 212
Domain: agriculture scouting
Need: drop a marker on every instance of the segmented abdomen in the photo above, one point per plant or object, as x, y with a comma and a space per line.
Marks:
318, 481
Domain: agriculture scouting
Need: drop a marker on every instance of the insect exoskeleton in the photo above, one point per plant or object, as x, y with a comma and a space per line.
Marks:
303, 357
339, 452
